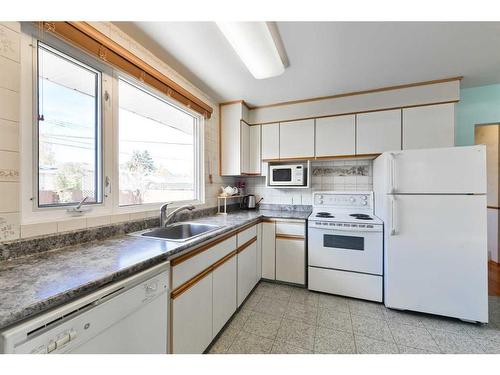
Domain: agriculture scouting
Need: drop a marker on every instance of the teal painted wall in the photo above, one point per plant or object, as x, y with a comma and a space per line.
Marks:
478, 105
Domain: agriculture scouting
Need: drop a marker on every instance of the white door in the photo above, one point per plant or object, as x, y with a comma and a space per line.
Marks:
192, 318
224, 294
346, 250
268, 250
270, 141
455, 170
247, 271
290, 260
297, 139
244, 147
429, 126
336, 136
259, 252
436, 257
254, 158
377, 132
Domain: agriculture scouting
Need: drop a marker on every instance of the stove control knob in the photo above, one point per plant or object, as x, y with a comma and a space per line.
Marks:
365, 197
352, 199
364, 203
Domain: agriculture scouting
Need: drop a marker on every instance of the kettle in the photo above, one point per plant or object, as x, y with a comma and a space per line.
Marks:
248, 202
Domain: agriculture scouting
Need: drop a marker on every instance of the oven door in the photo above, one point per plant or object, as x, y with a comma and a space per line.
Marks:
347, 250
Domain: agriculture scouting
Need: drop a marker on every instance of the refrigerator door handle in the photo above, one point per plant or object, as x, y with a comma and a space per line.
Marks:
393, 231
392, 173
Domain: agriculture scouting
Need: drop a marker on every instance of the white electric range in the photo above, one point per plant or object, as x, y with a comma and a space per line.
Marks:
345, 245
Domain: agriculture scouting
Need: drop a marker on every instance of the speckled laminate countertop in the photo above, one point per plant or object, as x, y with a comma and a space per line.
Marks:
36, 283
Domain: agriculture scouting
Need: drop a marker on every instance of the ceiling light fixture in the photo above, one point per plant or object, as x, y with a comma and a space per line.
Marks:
258, 46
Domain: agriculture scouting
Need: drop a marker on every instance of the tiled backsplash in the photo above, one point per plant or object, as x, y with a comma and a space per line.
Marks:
340, 175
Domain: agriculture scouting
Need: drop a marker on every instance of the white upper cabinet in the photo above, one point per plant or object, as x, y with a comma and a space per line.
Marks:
429, 126
377, 132
254, 158
270, 141
244, 147
336, 135
239, 142
296, 139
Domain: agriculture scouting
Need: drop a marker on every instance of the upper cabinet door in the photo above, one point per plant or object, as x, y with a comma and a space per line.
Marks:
244, 147
230, 138
254, 158
429, 126
297, 139
336, 135
270, 141
377, 132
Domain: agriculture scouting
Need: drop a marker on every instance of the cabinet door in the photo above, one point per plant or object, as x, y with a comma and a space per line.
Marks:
247, 271
254, 158
429, 126
268, 250
224, 294
290, 260
230, 118
244, 147
297, 139
259, 252
336, 136
270, 141
378, 132
192, 318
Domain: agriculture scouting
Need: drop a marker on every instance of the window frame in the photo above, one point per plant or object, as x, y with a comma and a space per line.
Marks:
29, 210
199, 172
99, 149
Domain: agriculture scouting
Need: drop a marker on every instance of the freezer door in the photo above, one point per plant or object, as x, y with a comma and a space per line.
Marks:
456, 170
436, 255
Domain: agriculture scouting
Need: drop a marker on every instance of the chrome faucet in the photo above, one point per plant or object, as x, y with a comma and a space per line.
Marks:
165, 219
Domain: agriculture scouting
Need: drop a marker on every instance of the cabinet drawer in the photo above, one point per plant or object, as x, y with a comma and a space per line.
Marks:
247, 235
294, 228
189, 268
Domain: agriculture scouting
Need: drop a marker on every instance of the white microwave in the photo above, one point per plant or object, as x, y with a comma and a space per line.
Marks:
287, 175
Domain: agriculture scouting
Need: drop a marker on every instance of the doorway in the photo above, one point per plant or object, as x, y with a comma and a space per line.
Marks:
489, 135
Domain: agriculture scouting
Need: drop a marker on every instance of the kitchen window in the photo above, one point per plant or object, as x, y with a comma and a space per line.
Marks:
68, 131
159, 147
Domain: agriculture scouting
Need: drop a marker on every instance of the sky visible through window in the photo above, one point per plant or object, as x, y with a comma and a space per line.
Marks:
156, 149
66, 130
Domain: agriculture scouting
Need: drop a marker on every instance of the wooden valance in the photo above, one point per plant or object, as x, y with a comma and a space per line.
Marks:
99, 45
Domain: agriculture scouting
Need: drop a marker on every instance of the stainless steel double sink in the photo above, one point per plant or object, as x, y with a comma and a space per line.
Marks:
178, 232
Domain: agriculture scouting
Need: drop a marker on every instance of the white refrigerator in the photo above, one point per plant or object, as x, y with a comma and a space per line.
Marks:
433, 204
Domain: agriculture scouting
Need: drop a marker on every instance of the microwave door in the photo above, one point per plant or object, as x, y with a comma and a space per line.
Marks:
281, 176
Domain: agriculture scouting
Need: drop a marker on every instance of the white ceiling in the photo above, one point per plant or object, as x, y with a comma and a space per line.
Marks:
328, 58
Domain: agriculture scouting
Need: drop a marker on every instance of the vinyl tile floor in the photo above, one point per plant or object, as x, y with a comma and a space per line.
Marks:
283, 319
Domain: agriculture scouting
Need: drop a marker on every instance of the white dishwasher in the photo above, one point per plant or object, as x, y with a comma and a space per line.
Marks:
126, 317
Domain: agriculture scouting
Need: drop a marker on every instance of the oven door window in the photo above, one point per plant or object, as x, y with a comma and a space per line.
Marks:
343, 242
282, 175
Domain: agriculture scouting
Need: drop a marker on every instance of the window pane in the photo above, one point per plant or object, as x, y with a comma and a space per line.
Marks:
156, 149
68, 129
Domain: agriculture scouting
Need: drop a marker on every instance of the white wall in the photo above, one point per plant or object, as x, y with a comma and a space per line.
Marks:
325, 175
9, 129
11, 226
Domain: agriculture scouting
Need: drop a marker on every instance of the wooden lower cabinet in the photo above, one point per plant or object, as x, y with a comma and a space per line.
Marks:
290, 260
247, 271
192, 318
224, 294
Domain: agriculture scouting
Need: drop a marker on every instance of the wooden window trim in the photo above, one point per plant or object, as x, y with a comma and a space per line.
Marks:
99, 45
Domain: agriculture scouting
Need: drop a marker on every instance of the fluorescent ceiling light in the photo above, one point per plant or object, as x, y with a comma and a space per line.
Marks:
256, 47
